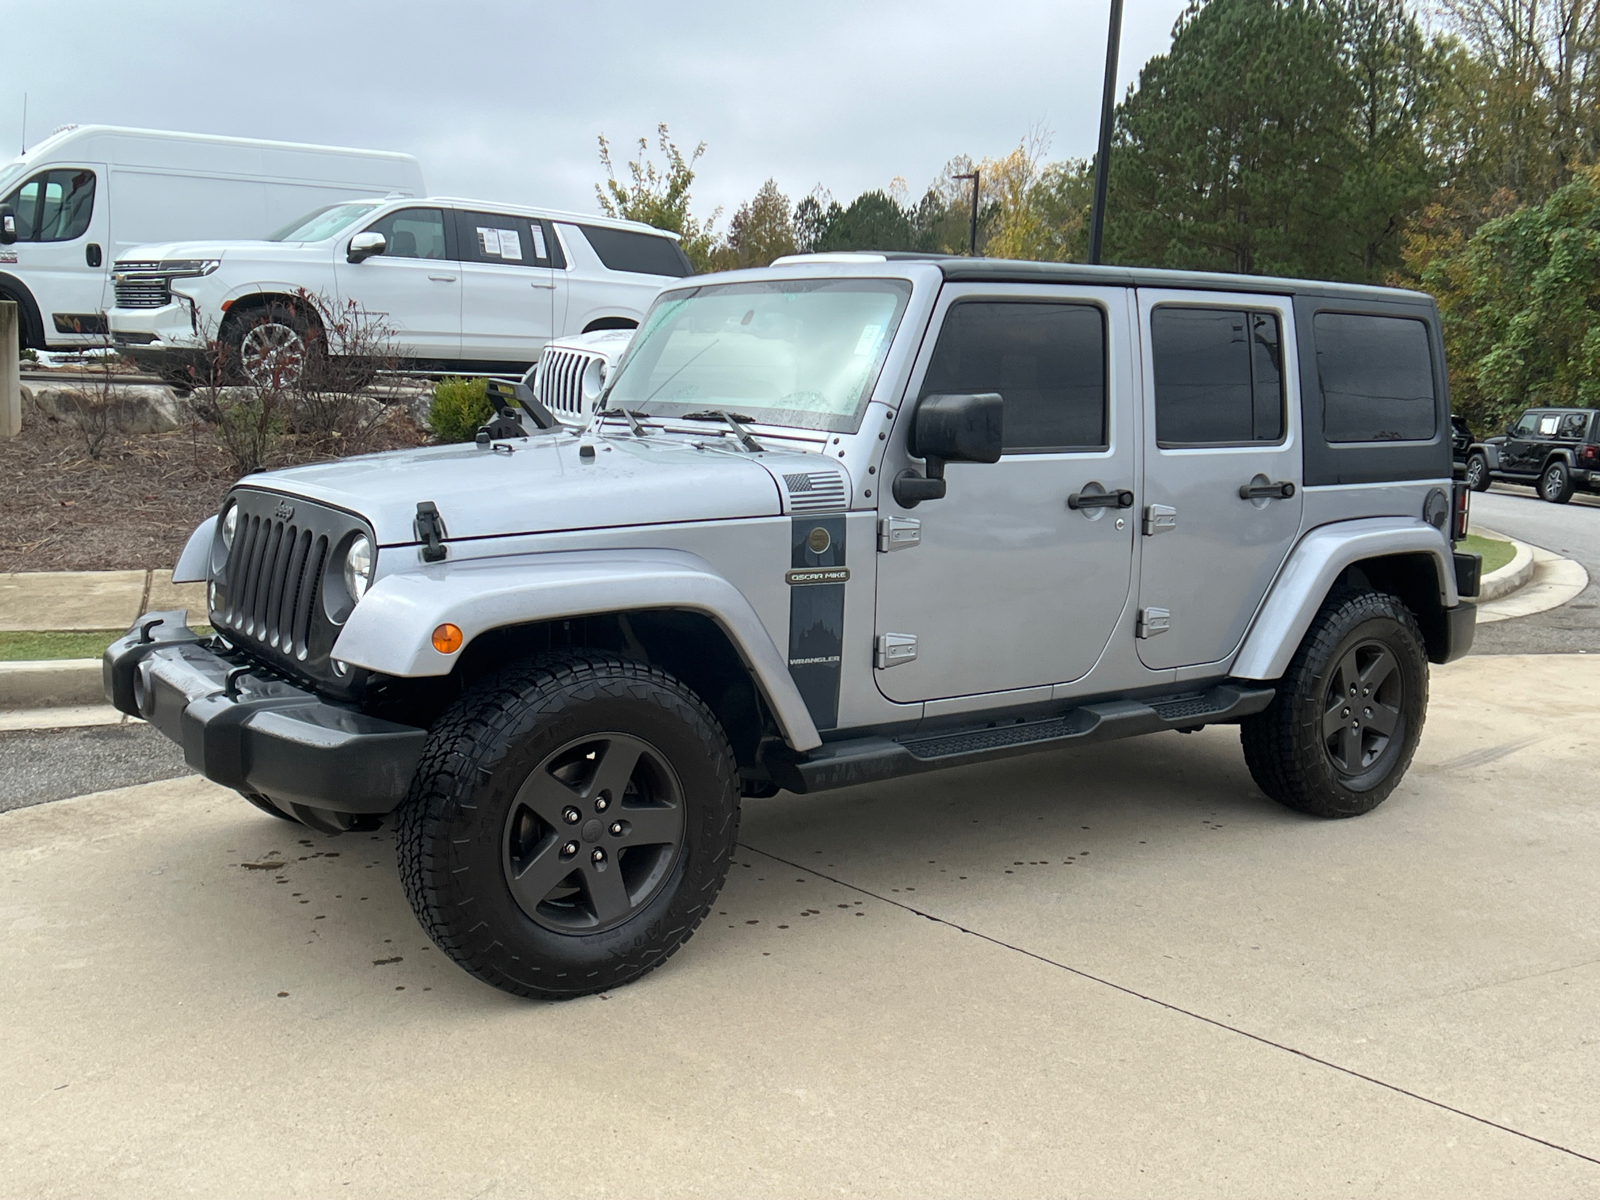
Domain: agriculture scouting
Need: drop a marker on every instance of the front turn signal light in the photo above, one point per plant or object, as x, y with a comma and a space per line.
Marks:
447, 638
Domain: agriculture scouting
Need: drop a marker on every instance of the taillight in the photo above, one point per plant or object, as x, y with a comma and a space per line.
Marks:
1459, 496
1590, 453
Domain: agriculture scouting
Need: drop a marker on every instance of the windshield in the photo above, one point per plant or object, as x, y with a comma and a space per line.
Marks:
322, 223
786, 352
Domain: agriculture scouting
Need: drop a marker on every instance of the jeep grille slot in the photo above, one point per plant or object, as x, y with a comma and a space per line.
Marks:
270, 588
561, 381
815, 491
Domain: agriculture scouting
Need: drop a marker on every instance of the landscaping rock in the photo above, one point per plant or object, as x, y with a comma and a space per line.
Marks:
134, 407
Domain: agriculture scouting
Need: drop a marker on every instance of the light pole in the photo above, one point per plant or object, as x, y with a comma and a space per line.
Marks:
1108, 99
972, 240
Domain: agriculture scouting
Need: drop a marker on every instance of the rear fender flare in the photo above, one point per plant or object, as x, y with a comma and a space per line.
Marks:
391, 630
1315, 565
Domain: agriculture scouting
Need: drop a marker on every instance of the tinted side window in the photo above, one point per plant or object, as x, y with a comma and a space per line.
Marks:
54, 206
1218, 377
412, 233
639, 253
1377, 378
500, 238
1047, 360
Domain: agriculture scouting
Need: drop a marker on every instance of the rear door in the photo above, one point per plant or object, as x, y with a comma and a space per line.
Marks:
60, 251
507, 288
1222, 468
415, 284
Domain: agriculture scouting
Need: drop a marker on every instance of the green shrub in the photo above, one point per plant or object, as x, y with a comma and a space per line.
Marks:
459, 407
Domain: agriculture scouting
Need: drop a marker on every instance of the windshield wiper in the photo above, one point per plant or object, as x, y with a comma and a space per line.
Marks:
631, 417
731, 420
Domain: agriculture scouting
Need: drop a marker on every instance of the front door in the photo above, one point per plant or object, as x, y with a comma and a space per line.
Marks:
414, 286
1222, 471
1006, 584
60, 251
507, 288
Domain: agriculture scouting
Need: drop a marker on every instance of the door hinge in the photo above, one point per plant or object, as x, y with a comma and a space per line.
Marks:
1153, 621
1159, 518
894, 649
898, 533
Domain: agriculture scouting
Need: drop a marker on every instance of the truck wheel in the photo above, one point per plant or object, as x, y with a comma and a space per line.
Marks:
569, 825
268, 346
1478, 473
1341, 731
1556, 485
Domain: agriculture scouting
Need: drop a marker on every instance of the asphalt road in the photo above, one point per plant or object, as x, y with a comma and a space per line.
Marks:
1572, 530
37, 766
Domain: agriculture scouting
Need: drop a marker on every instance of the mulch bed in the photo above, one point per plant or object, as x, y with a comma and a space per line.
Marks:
132, 508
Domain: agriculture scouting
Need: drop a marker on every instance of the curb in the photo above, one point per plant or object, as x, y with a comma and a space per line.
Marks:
52, 683
1509, 578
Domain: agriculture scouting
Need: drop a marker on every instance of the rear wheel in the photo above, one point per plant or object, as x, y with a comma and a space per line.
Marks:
1345, 723
1478, 473
1556, 485
569, 825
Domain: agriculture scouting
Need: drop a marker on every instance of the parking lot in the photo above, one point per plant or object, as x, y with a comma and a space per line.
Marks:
1117, 970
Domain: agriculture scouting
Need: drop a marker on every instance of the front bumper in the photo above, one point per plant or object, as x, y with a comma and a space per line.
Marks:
244, 727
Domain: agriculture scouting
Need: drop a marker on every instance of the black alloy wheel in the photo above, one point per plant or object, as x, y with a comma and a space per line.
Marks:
1478, 473
1363, 716
1345, 722
593, 833
569, 825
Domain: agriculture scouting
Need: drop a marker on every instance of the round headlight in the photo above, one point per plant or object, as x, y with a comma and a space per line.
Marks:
358, 566
230, 525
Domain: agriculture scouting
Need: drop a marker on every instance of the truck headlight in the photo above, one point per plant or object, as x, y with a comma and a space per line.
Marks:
230, 525
180, 268
358, 567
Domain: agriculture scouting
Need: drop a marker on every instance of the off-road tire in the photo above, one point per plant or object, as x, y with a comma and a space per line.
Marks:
451, 830
1285, 746
1555, 484
1477, 473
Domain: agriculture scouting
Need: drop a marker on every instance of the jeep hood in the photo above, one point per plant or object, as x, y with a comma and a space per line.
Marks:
544, 485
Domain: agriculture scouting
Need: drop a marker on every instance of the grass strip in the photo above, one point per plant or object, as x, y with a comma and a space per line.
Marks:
32, 646
1496, 554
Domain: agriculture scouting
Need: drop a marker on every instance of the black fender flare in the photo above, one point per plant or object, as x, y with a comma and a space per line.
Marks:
32, 332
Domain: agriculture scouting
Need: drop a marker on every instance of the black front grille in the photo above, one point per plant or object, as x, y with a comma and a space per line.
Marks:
280, 593
146, 291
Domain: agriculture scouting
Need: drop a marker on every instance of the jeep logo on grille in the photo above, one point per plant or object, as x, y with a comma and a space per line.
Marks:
284, 511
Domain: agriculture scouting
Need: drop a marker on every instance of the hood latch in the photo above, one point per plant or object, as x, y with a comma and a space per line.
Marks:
431, 532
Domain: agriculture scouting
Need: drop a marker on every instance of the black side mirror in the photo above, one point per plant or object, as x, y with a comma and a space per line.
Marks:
8, 225
950, 428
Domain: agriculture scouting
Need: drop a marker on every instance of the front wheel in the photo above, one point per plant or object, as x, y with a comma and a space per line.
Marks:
1556, 485
570, 825
1478, 473
1342, 729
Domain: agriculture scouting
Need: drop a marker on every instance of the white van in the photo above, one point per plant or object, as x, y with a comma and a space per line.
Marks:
76, 202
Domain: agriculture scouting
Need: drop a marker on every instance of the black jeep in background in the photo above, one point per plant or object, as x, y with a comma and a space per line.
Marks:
1556, 450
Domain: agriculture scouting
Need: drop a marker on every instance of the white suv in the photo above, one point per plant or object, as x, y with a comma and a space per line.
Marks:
464, 286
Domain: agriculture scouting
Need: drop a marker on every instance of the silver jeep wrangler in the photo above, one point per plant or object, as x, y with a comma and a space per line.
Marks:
838, 520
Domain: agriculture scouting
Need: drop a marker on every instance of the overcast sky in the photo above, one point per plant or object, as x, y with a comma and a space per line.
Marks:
503, 101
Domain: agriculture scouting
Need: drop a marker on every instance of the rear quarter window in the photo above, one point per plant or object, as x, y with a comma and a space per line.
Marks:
637, 253
1377, 378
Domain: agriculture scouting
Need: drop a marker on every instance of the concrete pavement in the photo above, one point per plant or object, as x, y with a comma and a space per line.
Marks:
91, 599
1116, 971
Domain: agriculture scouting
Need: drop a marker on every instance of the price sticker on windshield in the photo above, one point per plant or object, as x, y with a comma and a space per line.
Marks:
868, 342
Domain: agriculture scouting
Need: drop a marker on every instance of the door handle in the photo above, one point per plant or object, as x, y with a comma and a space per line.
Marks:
1121, 499
1266, 491
91, 254
550, 286
442, 278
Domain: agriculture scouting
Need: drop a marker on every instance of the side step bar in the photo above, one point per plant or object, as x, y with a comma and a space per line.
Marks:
871, 759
